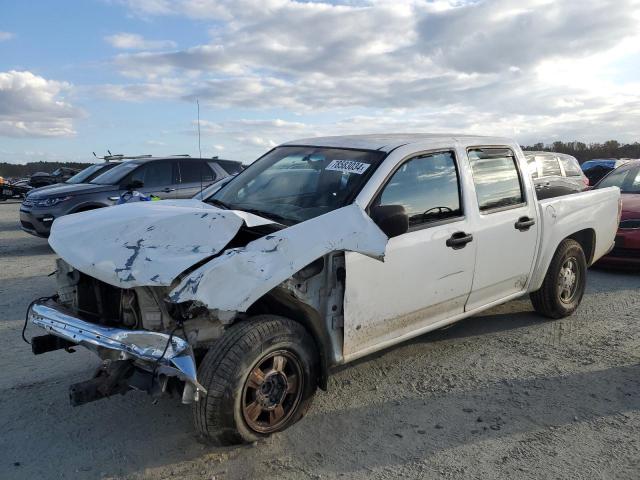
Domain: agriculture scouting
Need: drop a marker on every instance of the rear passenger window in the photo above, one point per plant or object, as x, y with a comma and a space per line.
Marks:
550, 166
158, 174
427, 187
496, 176
154, 174
195, 172
571, 166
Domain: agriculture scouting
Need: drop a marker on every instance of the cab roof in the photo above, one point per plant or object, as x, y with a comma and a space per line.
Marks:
388, 142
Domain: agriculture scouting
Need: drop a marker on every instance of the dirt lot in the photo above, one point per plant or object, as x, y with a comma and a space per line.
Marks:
502, 395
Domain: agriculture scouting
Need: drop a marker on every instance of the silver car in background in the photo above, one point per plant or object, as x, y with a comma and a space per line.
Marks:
555, 174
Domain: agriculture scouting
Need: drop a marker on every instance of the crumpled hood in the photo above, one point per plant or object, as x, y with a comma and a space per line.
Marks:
145, 243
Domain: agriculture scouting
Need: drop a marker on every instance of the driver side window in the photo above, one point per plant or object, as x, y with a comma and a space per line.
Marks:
427, 187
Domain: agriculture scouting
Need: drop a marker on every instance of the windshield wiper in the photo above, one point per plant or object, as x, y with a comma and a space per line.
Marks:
217, 203
268, 215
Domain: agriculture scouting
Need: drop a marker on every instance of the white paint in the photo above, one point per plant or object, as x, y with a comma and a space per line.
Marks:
563, 216
505, 254
236, 279
145, 243
414, 291
387, 142
419, 272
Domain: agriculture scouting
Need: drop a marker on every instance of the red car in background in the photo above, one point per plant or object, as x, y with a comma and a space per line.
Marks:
626, 252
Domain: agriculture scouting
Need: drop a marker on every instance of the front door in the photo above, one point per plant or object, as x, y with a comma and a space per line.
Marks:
505, 227
425, 277
159, 178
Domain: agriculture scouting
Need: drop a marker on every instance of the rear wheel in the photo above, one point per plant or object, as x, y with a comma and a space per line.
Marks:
564, 284
260, 378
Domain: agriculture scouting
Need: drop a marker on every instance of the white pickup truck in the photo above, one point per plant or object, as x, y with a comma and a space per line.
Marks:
322, 251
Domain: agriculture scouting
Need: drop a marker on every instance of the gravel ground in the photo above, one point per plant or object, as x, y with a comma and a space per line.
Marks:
502, 395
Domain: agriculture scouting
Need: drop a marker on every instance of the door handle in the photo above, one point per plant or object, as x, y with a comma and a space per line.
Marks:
169, 190
459, 240
524, 223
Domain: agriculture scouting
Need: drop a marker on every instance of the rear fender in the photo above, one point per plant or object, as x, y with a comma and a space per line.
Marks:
590, 217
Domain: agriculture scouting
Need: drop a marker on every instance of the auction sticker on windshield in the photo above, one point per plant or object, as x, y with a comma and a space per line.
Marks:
347, 166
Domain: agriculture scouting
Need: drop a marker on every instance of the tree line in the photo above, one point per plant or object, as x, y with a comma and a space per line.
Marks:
589, 151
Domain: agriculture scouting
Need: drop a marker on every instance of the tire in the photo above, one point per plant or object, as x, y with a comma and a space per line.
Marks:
558, 297
243, 406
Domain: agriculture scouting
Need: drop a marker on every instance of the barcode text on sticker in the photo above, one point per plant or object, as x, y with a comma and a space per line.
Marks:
348, 166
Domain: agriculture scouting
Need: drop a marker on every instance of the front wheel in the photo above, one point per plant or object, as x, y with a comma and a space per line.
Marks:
564, 284
260, 378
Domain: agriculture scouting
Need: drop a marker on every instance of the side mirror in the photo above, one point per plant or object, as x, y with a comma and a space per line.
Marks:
134, 185
392, 219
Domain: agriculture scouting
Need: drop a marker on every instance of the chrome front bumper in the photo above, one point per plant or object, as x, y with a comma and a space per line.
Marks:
147, 348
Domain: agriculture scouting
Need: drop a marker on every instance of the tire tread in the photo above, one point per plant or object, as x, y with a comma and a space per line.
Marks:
218, 372
544, 299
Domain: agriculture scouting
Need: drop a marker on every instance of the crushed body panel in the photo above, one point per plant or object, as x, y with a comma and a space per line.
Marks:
167, 354
234, 280
146, 243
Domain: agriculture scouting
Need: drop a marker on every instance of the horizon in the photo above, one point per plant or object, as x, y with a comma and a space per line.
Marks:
124, 75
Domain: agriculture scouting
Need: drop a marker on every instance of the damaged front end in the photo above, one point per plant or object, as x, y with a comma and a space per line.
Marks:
137, 359
159, 284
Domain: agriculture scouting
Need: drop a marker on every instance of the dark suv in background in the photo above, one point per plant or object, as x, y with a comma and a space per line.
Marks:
166, 177
555, 174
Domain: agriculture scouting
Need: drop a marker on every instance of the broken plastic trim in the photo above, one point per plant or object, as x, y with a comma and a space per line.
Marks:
148, 347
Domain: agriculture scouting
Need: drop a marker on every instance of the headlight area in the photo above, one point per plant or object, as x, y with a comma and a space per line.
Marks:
50, 202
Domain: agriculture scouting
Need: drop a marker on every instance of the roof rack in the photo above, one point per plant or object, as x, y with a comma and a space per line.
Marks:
181, 155
119, 156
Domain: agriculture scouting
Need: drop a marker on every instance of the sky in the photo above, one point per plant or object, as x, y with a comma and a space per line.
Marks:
86, 76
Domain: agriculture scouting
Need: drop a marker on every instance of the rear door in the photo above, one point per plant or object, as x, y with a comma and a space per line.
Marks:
194, 175
505, 229
159, 178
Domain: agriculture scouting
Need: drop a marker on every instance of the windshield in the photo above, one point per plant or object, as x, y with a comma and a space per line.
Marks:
90, 173
294, 184
626, 178
116, 174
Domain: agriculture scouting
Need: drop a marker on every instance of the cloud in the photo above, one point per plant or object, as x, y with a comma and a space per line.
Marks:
538, 67
133, 41
140, 92
32, 106
4, 36
247, 139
